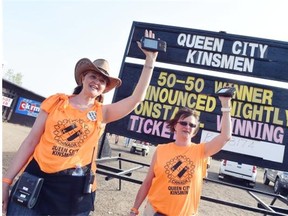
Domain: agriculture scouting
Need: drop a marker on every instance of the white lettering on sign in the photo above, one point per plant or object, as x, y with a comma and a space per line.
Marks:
249, 49
216, 52
219, 60
200, 42
29, 107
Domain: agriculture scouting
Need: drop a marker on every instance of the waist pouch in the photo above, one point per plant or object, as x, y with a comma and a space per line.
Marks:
61, 194
27, 190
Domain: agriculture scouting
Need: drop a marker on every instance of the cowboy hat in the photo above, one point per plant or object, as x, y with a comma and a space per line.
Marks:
100, 66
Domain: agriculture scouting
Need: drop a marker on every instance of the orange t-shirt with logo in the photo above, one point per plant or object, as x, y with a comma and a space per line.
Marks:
70, 135
177, 185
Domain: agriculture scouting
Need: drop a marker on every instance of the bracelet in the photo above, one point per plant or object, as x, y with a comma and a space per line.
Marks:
147, 66
135, 211
8, 181
225, 109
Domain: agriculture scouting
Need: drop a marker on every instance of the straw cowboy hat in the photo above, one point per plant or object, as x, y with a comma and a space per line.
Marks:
100, 66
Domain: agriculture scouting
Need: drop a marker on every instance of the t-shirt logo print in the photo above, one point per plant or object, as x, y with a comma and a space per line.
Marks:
179, 170
71, 133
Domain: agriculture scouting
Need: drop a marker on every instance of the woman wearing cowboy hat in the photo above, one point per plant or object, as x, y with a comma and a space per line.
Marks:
65, 135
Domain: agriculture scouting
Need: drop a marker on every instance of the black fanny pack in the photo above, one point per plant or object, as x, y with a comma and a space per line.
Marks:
63, 193
27, 190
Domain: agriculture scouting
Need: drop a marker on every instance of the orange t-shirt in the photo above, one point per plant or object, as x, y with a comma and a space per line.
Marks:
70, 135
177, 185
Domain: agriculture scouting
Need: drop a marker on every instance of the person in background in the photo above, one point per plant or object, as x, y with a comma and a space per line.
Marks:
65, 135
127, 142
116, 139
174, 180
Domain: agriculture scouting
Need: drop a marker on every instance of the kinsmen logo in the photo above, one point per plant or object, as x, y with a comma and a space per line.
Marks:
179, 170
71, 133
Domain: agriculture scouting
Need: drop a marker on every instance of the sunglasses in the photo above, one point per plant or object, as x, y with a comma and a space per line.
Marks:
184, 123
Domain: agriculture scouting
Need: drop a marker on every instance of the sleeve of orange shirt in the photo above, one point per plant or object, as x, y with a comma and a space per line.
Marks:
50, 103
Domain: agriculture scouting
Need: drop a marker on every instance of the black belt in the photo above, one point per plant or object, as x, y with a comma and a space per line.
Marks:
33, 168
71, 170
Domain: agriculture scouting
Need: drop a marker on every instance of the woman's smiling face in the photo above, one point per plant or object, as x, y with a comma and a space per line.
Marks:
94, 83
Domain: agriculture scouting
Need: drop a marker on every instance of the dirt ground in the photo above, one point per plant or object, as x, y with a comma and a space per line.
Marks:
112, 201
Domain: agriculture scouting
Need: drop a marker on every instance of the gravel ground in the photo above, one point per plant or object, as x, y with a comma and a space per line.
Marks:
112, 201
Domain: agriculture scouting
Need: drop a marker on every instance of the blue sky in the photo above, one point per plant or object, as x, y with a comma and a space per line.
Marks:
43, 40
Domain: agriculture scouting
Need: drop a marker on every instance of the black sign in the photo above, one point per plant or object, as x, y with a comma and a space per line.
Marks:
218, 51
259, 112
